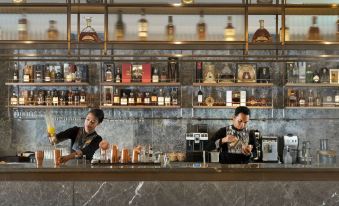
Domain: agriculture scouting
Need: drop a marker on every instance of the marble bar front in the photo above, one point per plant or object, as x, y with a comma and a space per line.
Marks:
175, 184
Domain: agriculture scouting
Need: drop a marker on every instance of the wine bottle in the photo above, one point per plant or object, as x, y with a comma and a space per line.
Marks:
200, 97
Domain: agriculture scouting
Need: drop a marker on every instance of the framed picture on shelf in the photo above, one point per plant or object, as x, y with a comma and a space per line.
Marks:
334, 76
246, 73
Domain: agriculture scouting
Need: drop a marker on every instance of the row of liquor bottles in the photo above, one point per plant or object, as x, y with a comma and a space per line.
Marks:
89, 33
50, 97
145, 73
233, 99
39, 73
306, 72
311, 98
128, 97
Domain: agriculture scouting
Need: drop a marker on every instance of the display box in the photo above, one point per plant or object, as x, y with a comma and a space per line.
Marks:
126, 73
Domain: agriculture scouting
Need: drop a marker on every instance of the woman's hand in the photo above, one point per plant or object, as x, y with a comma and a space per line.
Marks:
247, 149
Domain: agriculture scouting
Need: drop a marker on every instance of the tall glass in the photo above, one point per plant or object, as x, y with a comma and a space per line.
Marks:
57, 156
39, 157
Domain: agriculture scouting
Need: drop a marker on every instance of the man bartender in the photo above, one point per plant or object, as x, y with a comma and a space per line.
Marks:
234, 142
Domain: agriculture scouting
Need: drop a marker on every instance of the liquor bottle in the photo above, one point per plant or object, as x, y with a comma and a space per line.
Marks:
108, 74
336, 99
261, 35
292, 98
170, 29
16, 73
52, 32
82, 97
310, 99
174, 97
154, 98
22, 99
116, 97
324, 75
88, 33
139, 99
38, 73
14, 99
47, 74
123, 99
161, 98
62, 98
201, 27
30, 98
143, 27
337, 29
49, 98
76, 97
309, 73
52, 73
155, 76
229, 33
302, 101
28, 73
70, 98
316, 77
314, 31
198, 72
131, 99
78, 75
40, 100
55, 99
173, 69
200, 97
236, 98
147, 99
58, 74
108, 97
22, 28
120, 28
118, 76
167, 99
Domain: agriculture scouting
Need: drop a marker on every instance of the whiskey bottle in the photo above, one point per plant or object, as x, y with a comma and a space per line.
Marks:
316, 77
55, 99
314, 31
119, 28
70, 98
167, 99
229, 33
108, 74
200, 97
116, 97
49, 98
292, 98
62, 98
147, 99
201, 27
161, 98
88, 34
47, 74
198, 72
40, 100
30, 98
28, 73
302, 101
108, 97
52, 32
131, 99
123, 99
309, 73
22, 99
16, 73
173, 69
82, 97
262, 35
154, 98
236, 98
163, 75
52, 73
38, 73
22, 28
118, 76
14, 99
58, 74
143, 27
155, 76
170, 29
139, 99
174, 97
310, 99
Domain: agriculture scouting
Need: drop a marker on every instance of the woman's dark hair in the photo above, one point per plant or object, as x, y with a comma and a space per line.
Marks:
242, 109
98, 113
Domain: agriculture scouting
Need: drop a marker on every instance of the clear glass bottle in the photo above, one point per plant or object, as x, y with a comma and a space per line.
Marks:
109, 73
314, 31
131, 99
155, 75
22, 99
108, 97
310, 99
123, 99
174, 97
116, 97
88, 34
167, 99
55, 99
118, 76
147, 99
14, 99
201, 27
170, 29
161, 98
82, 97
16, 73
143, 27
302, 100
119, 28
229, 33
262, 35
52, 32
23, 28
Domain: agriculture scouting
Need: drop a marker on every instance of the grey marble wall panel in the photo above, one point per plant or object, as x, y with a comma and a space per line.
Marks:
36, 193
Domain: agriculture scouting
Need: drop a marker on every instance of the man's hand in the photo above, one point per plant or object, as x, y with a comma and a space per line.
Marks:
229, 138
247, 149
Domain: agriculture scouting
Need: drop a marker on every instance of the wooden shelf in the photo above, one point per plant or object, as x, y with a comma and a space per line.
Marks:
233, 84
225, 107
310, 85
36, 44
311, 107
33, 8
48, 107
47, 84
140, 107
165, 84
312, 9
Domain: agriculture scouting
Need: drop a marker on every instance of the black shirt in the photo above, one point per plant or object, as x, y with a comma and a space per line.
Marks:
229, 154
87, 143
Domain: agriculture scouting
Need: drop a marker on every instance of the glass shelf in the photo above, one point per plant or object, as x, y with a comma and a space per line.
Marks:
310, 85
47, 84
168, 84
225, 107
233, 84
47, 107
141, 107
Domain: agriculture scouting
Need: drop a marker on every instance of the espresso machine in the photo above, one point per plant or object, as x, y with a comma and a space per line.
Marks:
269, 148
288, 144
196, 143
258, 139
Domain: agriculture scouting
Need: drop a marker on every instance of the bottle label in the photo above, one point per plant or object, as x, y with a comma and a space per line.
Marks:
147, 101
199, 98
161, 101
55, 100
47, 79
22, 27
14, 101
22, 101
26, 78
116, 100
155, 78
124, 101
167, 101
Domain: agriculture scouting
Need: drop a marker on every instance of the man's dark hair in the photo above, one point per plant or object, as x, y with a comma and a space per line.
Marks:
98, 113
242, 109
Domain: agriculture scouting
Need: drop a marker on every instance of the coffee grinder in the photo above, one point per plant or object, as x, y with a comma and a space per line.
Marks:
258, 138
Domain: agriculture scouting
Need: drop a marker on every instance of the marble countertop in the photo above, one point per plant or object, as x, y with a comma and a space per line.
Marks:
175, 171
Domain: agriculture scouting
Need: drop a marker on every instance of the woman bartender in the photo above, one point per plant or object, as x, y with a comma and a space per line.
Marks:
84, 140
